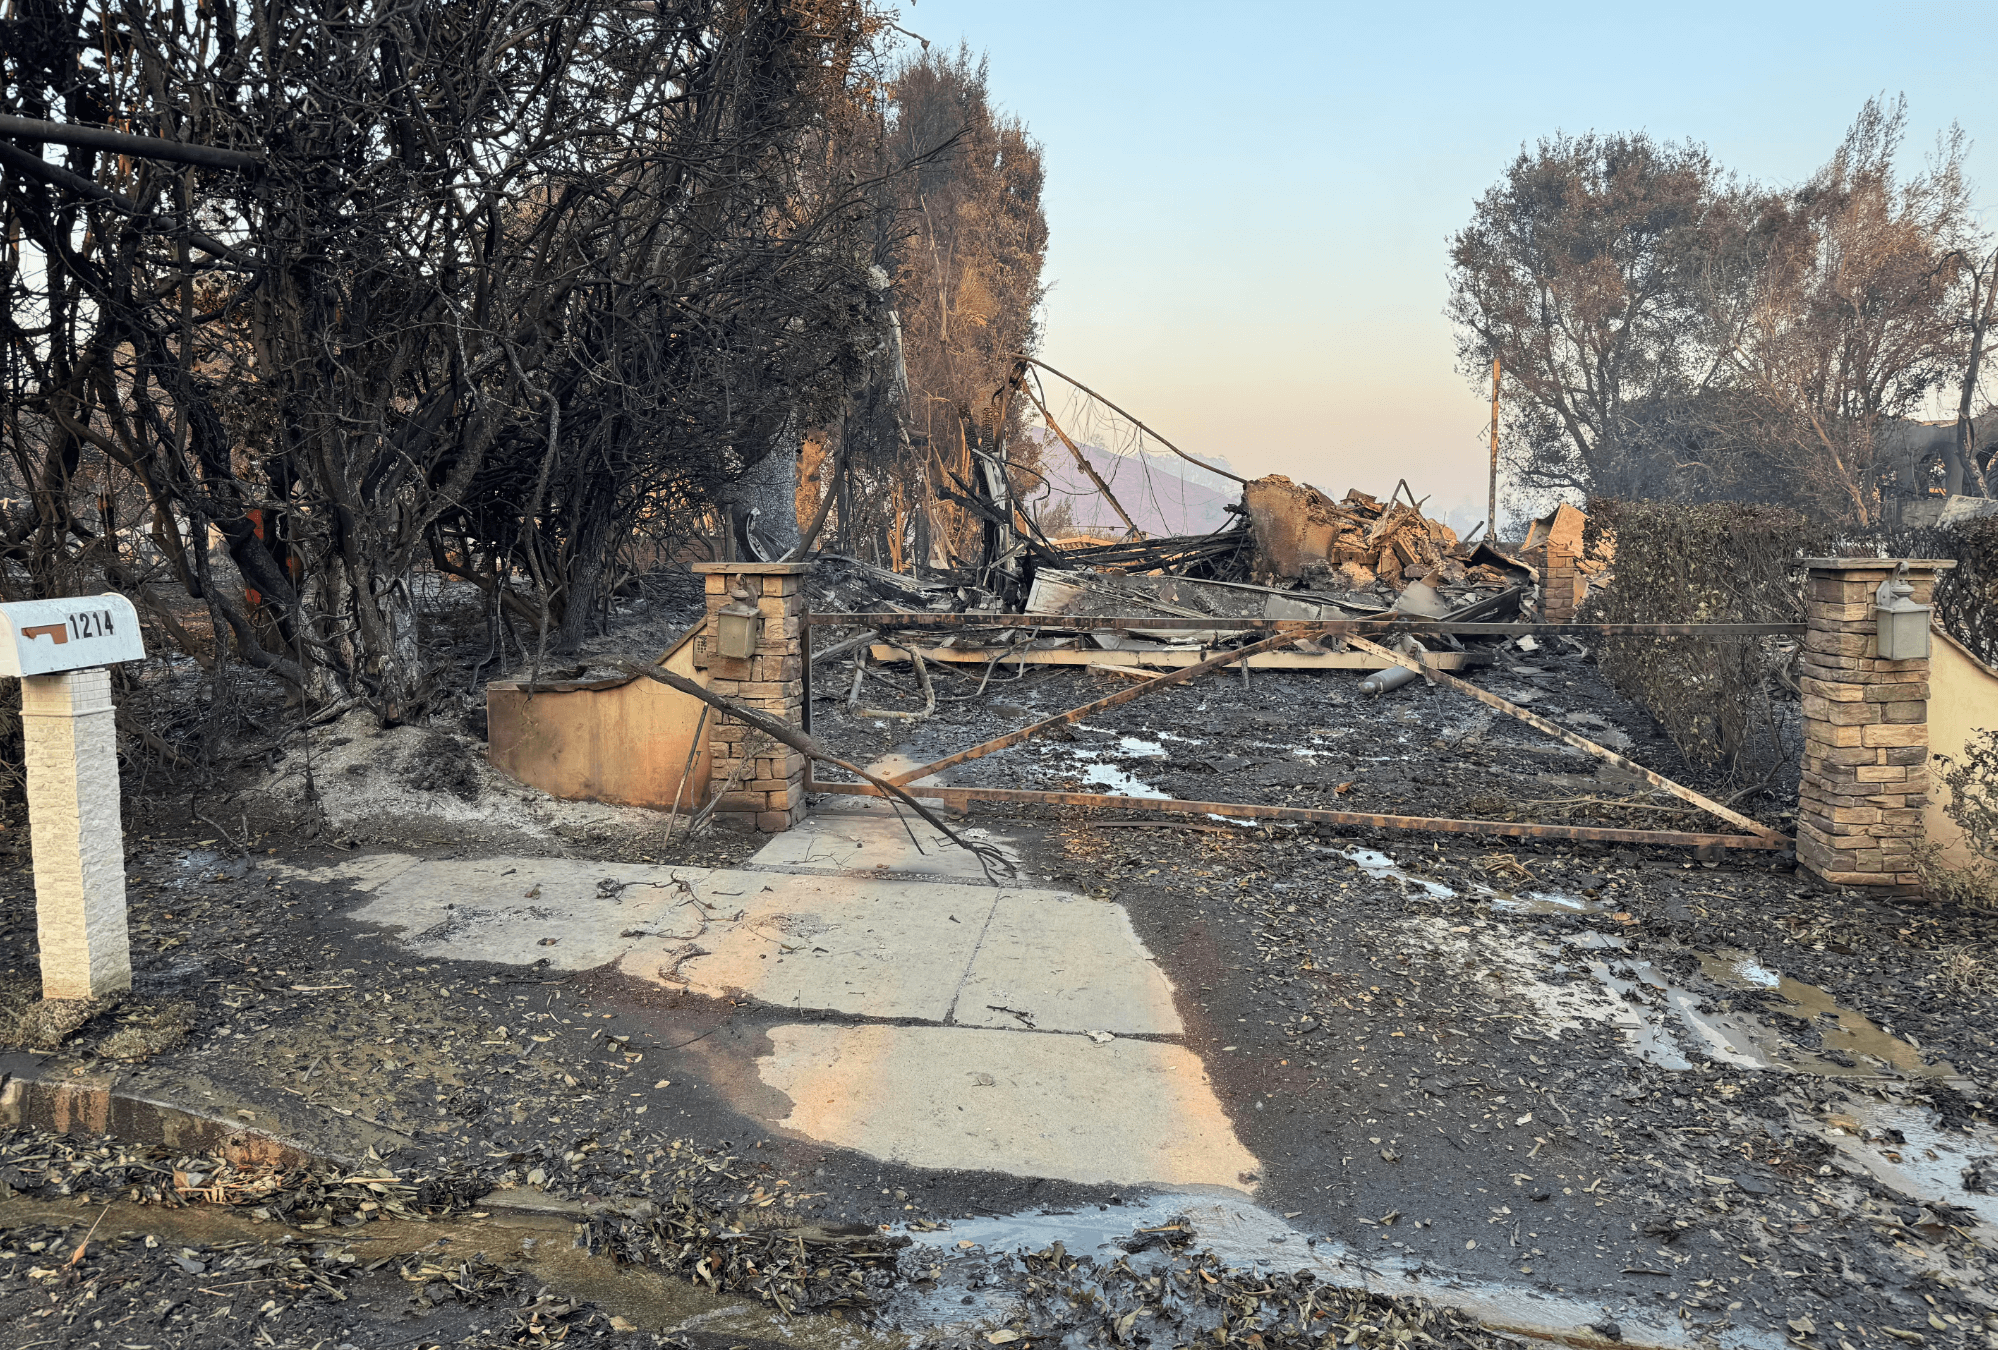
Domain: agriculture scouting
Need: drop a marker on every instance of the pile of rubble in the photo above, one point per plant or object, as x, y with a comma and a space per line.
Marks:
1357, 543
1359, 552
1310, 557
1294, 554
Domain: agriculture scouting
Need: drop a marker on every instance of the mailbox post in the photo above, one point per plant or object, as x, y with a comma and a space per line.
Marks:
60, 650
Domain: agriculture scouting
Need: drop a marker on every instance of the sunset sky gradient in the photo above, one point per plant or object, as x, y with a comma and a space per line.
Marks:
1249, 203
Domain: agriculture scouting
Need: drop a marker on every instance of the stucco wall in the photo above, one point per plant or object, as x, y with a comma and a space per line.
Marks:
607, 741
1963, 698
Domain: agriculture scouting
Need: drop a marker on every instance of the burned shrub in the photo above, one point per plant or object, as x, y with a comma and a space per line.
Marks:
1971, 779
1716, 562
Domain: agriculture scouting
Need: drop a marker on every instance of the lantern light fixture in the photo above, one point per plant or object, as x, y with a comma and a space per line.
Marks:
1900, 626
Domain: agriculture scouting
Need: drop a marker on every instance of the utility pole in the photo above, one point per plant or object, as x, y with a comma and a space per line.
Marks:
1491, 510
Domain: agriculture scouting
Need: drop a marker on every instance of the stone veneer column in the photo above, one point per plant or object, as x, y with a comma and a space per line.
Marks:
1561, 586
770, 794
1866, 735
69, 728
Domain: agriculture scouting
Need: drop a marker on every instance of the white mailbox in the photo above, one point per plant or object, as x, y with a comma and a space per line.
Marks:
60, 649
47, 637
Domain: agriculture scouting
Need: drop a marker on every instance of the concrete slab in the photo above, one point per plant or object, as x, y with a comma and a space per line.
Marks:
980, 1087
844, 944
364, 872
517, 911
1122, 1113
1071, 964
870, 839
866, 947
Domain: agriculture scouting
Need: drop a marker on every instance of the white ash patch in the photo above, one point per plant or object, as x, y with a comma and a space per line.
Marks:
411, 780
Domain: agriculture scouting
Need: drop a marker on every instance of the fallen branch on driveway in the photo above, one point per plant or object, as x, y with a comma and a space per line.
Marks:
1608, 756
988, 857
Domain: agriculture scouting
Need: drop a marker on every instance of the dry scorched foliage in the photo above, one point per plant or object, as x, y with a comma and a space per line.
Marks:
508, 280
1718, 562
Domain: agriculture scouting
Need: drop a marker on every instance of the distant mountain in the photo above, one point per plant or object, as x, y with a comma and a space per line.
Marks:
1163, 493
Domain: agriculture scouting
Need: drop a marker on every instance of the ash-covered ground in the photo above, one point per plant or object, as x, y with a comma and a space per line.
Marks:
1704, 1097
1709, 1089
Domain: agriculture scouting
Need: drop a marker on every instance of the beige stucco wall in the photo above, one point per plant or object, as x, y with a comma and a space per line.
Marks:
622, 741
1963, 698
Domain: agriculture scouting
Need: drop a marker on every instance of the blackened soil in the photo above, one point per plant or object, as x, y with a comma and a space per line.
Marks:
1403, 1089
128, 1288
1311, 739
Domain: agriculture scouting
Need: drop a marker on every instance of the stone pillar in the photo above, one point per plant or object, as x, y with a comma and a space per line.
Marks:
1561, 584
69, 729
769, 791
1866, 735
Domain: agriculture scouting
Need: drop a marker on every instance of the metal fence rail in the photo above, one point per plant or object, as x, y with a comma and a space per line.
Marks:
1400, 623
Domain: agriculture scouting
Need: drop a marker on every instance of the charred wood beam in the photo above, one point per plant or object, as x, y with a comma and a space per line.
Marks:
1480, 610
958, 797
986, 511
1567, 737
1161, 552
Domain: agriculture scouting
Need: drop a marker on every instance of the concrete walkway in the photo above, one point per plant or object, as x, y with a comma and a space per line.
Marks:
953, 1023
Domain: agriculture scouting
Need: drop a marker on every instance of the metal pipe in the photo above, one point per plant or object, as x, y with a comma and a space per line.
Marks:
1387, 681
1387, 626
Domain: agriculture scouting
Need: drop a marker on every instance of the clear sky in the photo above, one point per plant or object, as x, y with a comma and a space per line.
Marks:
1249, 203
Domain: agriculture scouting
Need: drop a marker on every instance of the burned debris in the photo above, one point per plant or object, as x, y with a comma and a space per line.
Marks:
1290, 554
674, 796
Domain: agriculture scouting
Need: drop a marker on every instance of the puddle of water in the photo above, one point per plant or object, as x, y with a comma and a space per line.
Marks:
1378, 866
1109, 777
1926, 1163
1544, 902
1839, 1029
1726, 966
1114, 779
1249, 1238
1660, 1020
1639, 987
539, 1244
1091, 1232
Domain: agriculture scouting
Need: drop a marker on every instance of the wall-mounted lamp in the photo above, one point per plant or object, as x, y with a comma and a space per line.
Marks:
738, 625
1901, 627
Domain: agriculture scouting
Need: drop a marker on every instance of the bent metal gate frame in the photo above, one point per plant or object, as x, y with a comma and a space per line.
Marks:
1357, 633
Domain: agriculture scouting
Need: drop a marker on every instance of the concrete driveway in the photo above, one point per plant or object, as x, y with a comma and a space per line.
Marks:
944, 1021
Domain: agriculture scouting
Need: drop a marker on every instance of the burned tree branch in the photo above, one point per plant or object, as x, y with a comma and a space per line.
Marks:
990, 858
